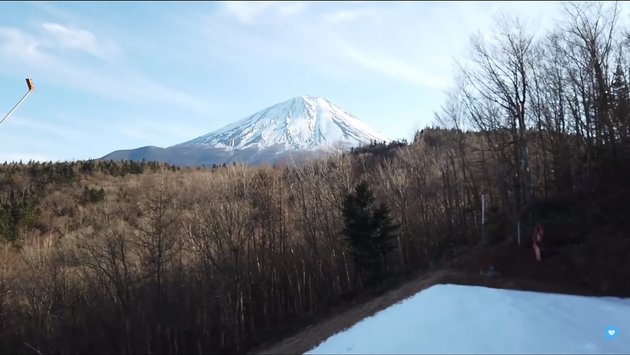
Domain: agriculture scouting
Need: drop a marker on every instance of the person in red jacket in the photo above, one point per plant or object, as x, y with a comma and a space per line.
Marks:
537, 238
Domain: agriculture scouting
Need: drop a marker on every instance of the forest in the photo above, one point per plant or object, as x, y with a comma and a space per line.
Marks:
128, 257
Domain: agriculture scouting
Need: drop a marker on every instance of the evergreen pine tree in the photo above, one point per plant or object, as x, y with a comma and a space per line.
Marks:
369, 231
621, 102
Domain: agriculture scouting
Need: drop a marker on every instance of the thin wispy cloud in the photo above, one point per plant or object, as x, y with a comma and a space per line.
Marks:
346, 16
76, 38
26, 52
46, 129
17, 44
144, 130
391, 67
313, 42
250, 12
54, 37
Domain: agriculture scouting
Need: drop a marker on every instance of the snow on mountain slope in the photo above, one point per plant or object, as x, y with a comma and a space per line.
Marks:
478, 320
303, 123
296, 130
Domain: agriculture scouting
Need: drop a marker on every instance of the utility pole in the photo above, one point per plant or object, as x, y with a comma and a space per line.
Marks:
31, 88
483, 218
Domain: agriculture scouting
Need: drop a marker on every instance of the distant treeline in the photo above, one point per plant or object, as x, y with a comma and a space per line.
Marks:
23, 186
66, 171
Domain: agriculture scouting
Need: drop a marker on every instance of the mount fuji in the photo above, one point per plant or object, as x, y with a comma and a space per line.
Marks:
300, 128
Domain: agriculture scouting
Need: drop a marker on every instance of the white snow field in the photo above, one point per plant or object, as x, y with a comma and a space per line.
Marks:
480, 320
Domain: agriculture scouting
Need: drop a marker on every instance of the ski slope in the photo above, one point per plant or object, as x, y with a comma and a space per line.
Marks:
472, 319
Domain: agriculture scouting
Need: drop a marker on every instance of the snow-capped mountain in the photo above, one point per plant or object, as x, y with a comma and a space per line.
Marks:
303, 122
298, 129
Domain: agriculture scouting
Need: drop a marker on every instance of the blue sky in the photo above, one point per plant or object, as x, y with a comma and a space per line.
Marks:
120, 75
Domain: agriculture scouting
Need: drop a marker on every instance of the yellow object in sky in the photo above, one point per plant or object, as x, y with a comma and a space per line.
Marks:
31, 86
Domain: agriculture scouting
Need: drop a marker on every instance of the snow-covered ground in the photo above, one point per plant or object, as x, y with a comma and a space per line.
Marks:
481, 320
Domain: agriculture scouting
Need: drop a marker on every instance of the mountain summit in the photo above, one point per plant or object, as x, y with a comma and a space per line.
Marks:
299, 128
303, 123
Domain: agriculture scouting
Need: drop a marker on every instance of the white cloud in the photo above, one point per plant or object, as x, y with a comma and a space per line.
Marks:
245, 12
48, 129
249, 12
55, 37
76, 38
145, 131
16, 43
394, 68
23, 52
339, 40
291, 9
343, 16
